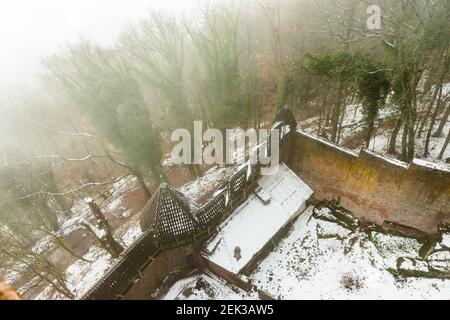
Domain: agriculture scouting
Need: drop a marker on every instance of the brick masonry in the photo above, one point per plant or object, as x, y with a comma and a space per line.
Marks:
374, 188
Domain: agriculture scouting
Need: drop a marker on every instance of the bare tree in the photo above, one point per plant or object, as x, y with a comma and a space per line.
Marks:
105, 236
156, 50
17, 249
444, 147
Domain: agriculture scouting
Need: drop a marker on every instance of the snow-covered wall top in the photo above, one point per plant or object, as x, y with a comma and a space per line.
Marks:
374, 187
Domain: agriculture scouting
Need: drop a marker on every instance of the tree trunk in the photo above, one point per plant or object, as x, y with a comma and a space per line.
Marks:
411, 116
59, 241
327, 116
86, 149
411, 142
444, 147
58, 286
59, 278
107, 240
427, 113
408, 119
432, 121
319, 126
341, 120
142, 184
134, 171
443, 122
393, 139
60, 202
49, 216
335, 115
411, 137
47, 272
370, 128
404, 147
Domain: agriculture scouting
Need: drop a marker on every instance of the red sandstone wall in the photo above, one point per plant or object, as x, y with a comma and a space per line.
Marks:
222, 273
372, 187
153, 276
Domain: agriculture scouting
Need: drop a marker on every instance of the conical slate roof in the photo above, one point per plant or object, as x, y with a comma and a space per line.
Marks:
169, 215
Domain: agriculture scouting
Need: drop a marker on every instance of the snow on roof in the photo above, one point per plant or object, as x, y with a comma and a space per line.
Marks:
169, 214
254, 223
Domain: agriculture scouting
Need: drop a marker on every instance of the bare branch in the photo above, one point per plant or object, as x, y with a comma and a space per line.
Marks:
89, 184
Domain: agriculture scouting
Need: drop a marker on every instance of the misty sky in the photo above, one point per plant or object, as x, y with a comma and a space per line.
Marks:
30, 29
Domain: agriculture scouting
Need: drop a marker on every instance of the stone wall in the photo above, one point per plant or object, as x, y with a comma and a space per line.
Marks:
153, 277
374, 188
237, 280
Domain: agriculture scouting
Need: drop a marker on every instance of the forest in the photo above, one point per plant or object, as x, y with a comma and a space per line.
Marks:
99, 121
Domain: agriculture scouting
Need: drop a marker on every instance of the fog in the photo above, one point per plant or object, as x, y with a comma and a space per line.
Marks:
31, 29
93, 91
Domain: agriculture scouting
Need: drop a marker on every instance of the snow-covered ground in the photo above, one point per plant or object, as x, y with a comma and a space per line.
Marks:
206, 286
80, 213
379, 143
304, 265
317, 259
82, 275
323, 260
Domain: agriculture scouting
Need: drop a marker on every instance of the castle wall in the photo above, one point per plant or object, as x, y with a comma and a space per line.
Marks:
372, 187
175, 260
229, 276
